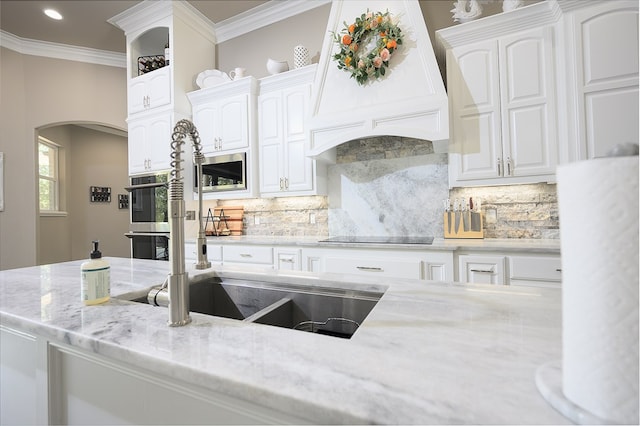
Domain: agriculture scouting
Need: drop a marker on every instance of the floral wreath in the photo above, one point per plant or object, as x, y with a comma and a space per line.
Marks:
367, 45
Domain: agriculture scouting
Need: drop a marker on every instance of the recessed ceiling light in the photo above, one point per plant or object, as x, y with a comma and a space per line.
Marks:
53, 14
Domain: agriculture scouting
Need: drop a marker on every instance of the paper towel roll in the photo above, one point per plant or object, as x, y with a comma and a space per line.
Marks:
598, 208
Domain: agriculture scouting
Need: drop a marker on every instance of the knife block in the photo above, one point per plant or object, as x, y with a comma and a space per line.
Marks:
463, 231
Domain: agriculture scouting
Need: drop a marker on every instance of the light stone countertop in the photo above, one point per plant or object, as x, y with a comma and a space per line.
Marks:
486, 244
428, 352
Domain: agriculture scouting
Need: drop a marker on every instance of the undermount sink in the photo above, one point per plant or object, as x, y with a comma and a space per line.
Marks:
330, 311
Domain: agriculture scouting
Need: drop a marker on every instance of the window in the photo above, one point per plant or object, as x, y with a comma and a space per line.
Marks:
49, 184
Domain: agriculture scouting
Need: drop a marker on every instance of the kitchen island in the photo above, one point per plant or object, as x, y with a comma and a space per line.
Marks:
428, 352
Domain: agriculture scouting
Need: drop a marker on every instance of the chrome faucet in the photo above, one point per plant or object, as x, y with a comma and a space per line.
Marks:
178, 280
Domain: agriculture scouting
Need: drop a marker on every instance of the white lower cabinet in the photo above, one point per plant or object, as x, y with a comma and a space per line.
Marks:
374, 264
481, 269
287, 258
23, 381
535, 270
92, 389
46, 382
214, 253
411, 264
247, 255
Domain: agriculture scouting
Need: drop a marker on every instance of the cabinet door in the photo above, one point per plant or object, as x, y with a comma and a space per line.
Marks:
150, 90
19, 399
298, 167
481, 269
271, 142
527, 98
205, 118
149, 143
159, 142
137, 146
606, 52
233, 123
438, 266
288, 259
474, 96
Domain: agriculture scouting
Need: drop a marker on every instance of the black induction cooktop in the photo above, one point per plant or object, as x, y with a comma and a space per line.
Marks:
379, 240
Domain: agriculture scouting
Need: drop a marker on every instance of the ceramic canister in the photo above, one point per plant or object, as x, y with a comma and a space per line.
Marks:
300, 56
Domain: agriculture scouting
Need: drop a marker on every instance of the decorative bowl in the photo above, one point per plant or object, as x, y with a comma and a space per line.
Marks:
276, 67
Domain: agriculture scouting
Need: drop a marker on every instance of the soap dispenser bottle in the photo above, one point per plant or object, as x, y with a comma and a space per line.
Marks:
96, 278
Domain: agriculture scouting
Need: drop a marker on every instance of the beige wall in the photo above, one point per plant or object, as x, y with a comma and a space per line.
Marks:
36, 92
275, 41
98, 159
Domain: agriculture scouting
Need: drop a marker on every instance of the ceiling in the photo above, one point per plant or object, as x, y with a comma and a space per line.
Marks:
85, 22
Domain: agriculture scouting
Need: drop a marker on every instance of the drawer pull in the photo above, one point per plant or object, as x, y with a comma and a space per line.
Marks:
245, 255
559, 270
286, 260
370, 268
484, 271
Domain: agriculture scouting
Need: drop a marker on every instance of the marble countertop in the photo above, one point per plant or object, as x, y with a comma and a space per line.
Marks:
486, 244
428, 352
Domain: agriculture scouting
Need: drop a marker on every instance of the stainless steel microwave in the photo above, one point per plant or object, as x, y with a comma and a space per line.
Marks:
222, 173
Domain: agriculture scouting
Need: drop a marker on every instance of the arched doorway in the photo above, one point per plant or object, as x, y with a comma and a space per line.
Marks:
88, 155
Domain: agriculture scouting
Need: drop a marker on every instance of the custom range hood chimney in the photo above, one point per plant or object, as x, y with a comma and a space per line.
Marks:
409, 100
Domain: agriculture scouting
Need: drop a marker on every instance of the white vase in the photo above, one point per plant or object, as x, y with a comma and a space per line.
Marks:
276, 67
301, 57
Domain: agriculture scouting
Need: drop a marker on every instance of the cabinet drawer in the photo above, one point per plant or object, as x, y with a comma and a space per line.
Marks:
535, 268
248, 254
397, 268
214, 252
481, 269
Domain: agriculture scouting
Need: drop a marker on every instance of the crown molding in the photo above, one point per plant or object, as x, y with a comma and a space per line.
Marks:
251, 20
48, 49
263, 15
520, 19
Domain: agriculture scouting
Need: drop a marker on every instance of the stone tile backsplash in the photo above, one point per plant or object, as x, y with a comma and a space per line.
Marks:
394, 186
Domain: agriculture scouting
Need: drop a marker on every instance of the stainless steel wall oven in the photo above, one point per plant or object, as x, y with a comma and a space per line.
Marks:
149, 216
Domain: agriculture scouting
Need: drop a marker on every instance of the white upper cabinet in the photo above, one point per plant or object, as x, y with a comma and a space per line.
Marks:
602, 47
161, 89
502, 99
283, 108
222, 115
150, 90
149, 147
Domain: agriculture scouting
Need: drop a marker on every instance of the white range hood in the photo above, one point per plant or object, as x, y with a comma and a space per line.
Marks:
410, 100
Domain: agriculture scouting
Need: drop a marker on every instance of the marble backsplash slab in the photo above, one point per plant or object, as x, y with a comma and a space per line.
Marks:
399, 196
